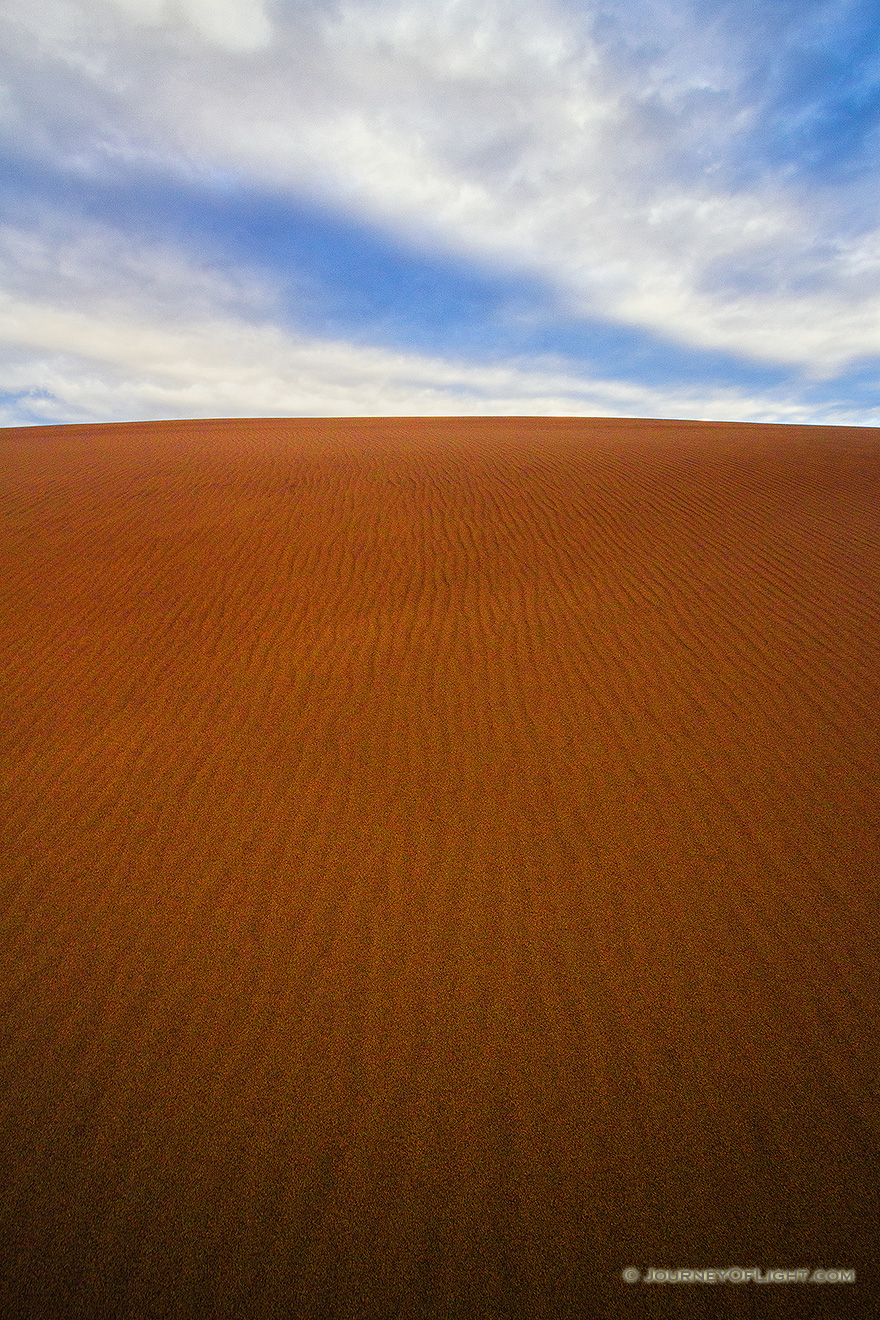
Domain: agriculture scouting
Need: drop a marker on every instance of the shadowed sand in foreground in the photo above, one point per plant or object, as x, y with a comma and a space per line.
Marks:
440, 867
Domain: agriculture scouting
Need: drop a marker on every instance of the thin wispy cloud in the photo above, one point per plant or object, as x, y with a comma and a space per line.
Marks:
635, 207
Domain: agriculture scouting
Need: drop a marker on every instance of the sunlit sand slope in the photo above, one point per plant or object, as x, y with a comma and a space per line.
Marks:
440, 867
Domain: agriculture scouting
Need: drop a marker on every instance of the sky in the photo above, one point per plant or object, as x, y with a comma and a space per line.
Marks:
243, 208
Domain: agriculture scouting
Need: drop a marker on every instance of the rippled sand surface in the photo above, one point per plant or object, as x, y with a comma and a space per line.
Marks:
440, 867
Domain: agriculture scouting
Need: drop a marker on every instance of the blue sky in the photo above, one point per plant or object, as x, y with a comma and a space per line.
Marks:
652, 208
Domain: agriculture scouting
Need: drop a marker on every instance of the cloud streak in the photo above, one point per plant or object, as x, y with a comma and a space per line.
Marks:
108, 350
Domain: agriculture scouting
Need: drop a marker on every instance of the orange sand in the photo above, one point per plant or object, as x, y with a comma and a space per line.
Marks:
440, 867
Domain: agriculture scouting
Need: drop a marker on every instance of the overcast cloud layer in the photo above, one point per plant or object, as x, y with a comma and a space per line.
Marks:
269, 207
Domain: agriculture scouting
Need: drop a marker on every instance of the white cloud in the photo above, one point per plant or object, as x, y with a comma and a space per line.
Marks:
235, 25
505, 130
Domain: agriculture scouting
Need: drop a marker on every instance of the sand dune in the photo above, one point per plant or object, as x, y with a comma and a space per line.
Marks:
440, 867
